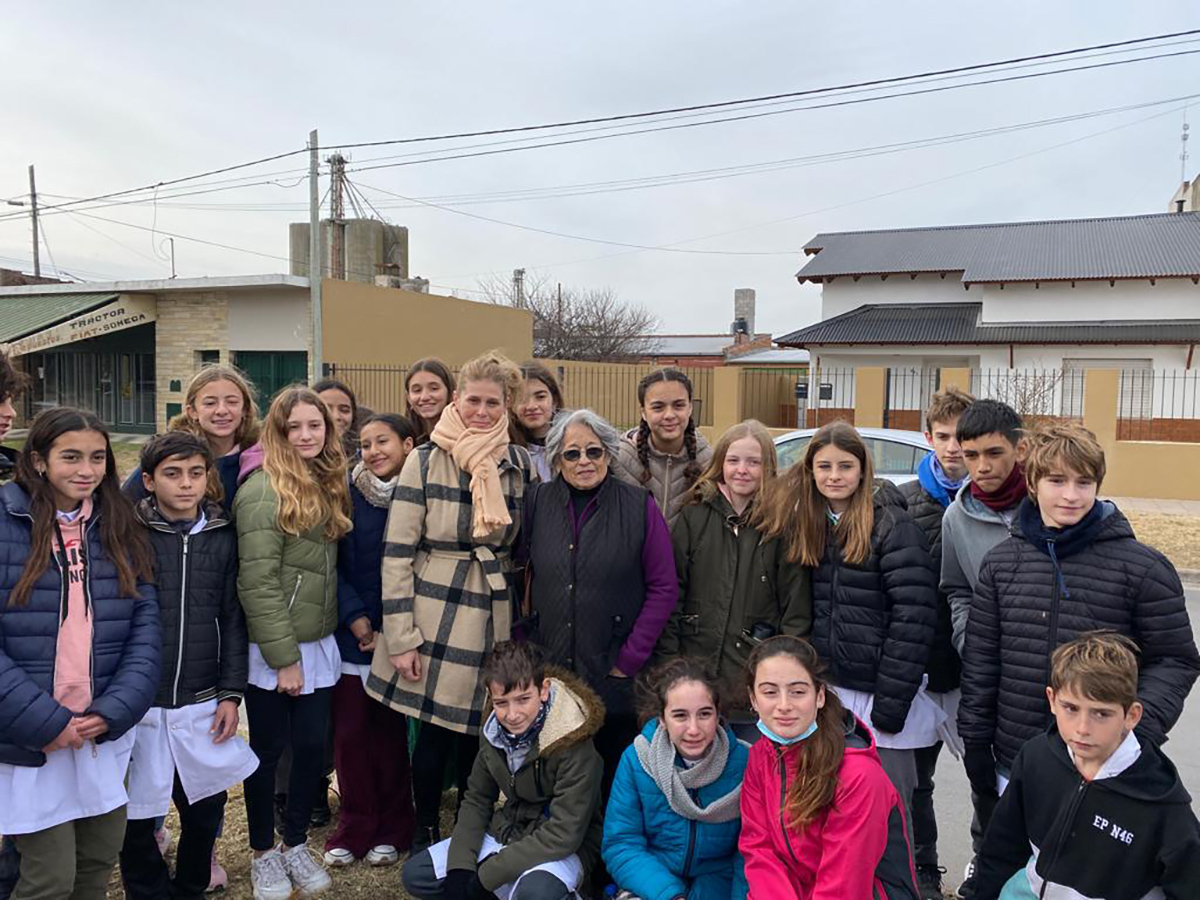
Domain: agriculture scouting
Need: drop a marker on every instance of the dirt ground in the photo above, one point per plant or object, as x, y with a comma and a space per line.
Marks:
1176, 536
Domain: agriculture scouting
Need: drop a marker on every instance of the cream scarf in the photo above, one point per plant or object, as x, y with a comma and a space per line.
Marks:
477, 452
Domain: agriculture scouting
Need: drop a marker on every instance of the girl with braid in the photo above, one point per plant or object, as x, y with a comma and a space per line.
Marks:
664, 454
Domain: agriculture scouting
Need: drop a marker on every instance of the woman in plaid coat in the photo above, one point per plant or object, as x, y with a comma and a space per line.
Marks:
447, 577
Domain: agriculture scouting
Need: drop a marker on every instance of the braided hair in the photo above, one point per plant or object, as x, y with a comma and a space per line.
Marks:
666, 375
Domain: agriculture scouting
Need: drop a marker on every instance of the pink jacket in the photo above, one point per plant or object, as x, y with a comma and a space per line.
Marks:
857, 849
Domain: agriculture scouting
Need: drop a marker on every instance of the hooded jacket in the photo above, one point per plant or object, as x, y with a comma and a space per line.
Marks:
1032, 600
287, 584
730, 579
126, 642
551, 803
668, 483
657, 854
969, 531
873, 623
1120, 836
204, 630
856, 848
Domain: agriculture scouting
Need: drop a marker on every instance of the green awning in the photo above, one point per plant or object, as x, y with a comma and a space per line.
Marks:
23, 314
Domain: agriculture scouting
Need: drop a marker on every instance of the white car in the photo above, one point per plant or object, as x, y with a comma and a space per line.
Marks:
894, 453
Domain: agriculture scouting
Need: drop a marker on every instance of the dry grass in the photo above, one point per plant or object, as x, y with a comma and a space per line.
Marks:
1176, 536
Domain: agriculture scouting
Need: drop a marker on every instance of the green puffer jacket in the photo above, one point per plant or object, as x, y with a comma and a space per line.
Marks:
287, 584
552, 802
729, 580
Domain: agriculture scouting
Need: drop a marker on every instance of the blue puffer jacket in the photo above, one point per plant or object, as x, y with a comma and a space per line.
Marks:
126, 643
657, 854
359, 584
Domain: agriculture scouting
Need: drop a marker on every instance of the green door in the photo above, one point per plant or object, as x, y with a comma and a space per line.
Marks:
272, 370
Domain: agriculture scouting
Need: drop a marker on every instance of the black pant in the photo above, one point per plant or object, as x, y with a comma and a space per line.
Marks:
924, 822
278, 720
435, 747
422, 882
143, 869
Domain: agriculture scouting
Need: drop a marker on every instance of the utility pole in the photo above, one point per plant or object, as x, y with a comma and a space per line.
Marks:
518, 289
314, 253
337, 225
37, 266
172, 240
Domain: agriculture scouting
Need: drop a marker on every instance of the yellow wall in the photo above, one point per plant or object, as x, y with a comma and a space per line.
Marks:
364, 324
870, 386
610, 389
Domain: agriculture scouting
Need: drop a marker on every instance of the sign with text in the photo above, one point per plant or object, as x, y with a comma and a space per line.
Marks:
127, 312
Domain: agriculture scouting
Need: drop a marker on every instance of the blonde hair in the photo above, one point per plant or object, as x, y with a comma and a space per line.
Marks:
1051, 448
1100, 665
497, 368
311, 492
795, 509
247, 430
711, 478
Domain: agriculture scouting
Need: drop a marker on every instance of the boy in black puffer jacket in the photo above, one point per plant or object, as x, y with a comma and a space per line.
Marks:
1092, 809
187, 748
1072, 565
940, 476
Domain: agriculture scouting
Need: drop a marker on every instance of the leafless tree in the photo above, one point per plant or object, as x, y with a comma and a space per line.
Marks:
573, 323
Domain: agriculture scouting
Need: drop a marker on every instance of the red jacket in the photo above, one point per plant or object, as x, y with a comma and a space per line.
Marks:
857, 849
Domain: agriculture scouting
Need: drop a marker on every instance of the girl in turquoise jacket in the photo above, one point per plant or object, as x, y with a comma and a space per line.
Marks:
673, 819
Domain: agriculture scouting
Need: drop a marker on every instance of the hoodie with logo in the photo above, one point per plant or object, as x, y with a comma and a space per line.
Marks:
1128, 834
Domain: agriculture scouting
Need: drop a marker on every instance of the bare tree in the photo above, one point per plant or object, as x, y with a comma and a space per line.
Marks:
571, 323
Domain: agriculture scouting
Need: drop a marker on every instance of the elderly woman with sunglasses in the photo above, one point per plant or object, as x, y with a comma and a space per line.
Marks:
600, 571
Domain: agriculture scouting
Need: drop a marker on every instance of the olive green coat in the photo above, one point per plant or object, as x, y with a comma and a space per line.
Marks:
552, 805
287, 584
730, 579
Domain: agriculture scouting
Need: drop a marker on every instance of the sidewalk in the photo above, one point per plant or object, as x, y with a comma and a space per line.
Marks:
1161, 507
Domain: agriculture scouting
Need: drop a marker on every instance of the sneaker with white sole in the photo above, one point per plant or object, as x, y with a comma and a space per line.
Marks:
383, 855
306, 871
337, 857
269, 878
966, 890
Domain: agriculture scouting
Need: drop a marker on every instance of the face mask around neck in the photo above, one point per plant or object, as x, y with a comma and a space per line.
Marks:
768, 733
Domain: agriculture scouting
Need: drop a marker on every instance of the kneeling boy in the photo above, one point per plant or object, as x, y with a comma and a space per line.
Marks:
186, 748
1102, 812
535, 749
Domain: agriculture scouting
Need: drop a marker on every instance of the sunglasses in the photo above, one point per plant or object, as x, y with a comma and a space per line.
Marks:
593, 453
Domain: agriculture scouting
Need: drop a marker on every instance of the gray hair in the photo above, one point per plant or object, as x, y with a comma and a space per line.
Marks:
607, 435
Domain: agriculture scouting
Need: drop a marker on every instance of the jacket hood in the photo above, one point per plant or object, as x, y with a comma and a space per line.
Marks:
887, 494
630, 437
148, 514
1113, 525
251, 461
575, 717
14, 499
1152, 778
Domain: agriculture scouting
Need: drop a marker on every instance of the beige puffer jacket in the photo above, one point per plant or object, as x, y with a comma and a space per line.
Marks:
667, 481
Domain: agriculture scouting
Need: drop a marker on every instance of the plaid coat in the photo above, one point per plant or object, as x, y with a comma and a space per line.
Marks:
444, 593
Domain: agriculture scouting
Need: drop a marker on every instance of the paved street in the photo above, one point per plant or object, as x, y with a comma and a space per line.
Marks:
953, 801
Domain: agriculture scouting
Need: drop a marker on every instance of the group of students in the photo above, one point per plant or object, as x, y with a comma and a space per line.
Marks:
684, 673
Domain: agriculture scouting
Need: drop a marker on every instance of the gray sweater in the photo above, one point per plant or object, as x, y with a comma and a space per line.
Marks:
969, 531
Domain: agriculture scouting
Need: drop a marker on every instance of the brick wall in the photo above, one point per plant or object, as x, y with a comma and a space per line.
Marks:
187, 324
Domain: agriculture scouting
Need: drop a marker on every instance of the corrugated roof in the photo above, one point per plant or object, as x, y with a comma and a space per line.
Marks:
26, 313
1165, 245
959, 323
687, 344
773, 356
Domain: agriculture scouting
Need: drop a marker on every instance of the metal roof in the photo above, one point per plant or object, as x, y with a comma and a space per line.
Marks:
1164, 245
158, 285
687, 344
24, 314
960, 323
774, 356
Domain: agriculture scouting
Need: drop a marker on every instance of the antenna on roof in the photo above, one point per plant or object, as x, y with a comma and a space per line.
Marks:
1183, 151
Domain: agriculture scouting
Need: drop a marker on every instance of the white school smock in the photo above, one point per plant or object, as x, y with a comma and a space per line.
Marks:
568, 870
924, 727
319, 660
170, 741
73, 784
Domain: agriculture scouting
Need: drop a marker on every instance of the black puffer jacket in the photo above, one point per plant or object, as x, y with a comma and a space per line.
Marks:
945, 667
873, 623
204, 653
1022, 612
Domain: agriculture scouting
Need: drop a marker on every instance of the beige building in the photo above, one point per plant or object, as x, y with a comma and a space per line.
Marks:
126, 350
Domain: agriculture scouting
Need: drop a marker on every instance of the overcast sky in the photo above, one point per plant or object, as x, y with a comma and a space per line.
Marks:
104, 97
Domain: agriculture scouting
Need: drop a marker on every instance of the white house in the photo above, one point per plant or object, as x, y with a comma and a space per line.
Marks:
1058, 295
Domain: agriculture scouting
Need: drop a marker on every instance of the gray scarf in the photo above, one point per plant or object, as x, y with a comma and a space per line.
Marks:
658, 759
377, 491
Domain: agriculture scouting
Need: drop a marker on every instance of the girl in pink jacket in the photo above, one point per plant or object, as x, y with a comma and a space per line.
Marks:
820, 820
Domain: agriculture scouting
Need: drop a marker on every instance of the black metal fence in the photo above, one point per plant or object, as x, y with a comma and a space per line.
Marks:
1159, 405
1038, 395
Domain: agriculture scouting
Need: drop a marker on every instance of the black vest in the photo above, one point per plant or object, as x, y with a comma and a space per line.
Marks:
588, 588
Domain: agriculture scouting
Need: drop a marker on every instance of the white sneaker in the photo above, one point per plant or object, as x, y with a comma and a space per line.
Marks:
268, 877
382, 855
306, 872
339, 857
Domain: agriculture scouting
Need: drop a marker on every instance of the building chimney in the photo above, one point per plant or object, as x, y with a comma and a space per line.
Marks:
743, 308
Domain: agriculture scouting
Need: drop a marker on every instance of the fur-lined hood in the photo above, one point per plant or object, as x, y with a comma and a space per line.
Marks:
576, 714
